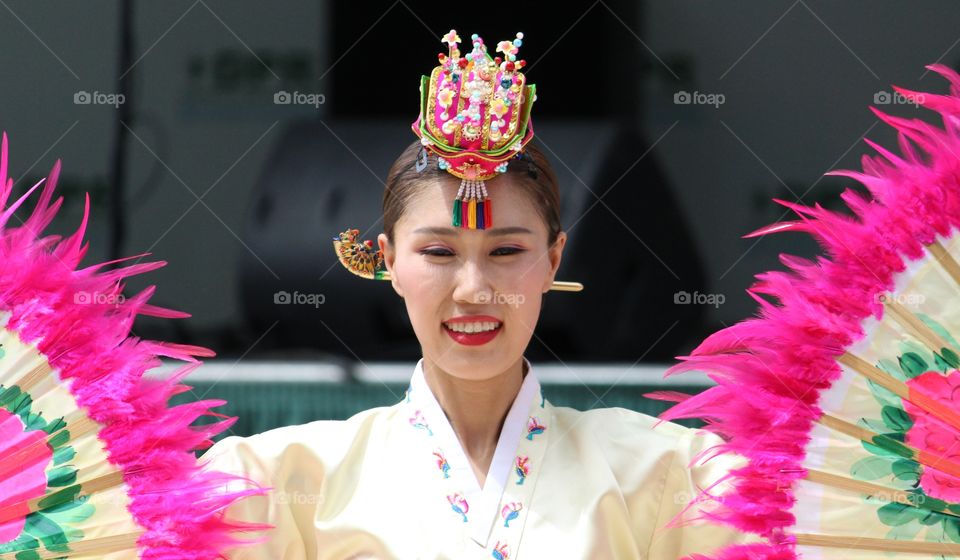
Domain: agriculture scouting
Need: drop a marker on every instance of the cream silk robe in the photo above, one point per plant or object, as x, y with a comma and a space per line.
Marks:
393, 483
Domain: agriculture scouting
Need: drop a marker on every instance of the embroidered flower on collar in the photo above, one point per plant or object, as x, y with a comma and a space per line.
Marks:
522, 468
418, 421
534, 427
442, 463
510, 512
500, 551
459, 504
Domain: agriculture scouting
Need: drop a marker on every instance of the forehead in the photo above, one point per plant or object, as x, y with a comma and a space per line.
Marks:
432, 205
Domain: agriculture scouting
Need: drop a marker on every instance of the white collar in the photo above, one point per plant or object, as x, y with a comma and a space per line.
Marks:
514, 428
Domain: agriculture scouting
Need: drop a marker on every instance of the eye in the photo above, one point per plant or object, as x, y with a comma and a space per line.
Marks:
509, 251
436, 252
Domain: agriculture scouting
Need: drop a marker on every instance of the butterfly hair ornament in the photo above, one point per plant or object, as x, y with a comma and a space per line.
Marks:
475, 118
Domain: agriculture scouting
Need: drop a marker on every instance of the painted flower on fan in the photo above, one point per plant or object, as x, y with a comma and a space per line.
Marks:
930, 435
41, 449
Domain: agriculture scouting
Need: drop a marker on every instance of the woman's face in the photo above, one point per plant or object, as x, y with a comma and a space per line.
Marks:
447, 274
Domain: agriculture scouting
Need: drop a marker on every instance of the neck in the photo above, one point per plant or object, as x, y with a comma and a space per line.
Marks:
476, 409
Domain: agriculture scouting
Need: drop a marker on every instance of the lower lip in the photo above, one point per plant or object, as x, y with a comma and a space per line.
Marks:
473, 339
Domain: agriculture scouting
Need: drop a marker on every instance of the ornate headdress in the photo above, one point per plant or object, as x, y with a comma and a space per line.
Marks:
475, 116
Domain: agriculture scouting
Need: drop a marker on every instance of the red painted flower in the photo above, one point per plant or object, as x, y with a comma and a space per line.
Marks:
933, 435
23, 479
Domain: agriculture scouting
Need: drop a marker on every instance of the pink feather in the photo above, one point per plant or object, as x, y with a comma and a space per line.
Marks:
772, 369
180, 508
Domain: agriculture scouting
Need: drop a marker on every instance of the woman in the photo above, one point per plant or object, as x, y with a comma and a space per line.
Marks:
474, 462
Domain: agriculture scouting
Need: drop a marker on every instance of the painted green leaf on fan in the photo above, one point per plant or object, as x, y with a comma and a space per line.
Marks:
895, 513
71, 512
951, 528
63, 454
46, 531
872, 424
65, 495
896, 418
51, 527
913, 365
905, 532
946, 360
923, 513
871, 468
905, 469
884, 396
889, 444
61, 476
24, 542
938, 328
891, 367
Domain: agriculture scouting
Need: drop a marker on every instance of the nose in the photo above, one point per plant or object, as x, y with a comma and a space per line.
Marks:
472, 284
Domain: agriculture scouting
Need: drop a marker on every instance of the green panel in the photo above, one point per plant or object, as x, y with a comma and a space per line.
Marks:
262, 406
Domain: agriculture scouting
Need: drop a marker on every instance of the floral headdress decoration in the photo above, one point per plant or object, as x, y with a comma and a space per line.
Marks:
475, 117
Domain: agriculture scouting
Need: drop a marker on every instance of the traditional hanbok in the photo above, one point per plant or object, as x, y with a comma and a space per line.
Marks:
394, 483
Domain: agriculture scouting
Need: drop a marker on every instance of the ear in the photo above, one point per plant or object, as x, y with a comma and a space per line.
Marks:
389, 257
555, 253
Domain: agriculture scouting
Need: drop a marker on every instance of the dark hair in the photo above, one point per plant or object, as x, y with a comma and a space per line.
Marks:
532, 171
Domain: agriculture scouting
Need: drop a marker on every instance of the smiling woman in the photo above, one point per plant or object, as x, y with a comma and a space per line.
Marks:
474, 461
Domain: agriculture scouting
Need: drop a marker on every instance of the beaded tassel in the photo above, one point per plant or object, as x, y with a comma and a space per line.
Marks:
471, 207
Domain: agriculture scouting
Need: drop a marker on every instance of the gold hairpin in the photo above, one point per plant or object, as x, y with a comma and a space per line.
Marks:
360, 258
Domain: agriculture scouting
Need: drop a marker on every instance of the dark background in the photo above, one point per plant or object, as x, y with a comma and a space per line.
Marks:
241, 196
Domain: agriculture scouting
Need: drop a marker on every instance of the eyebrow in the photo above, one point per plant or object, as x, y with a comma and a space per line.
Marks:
453, 231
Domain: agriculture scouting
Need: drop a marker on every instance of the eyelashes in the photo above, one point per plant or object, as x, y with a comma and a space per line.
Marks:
499, 252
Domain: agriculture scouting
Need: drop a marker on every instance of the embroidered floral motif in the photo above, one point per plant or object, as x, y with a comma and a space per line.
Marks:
459, 505
534, 427
500, 551
442, 463
418, 421
522, 468
510, 512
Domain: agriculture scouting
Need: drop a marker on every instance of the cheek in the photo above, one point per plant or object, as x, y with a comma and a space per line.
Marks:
424, 287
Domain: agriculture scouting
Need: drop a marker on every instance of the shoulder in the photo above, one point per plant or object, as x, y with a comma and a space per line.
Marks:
639, 448
623, 430
321, 441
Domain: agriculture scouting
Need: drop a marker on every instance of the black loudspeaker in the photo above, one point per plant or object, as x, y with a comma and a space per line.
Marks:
628, 245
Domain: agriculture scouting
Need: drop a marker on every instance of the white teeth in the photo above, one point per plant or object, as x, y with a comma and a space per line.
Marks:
472, 327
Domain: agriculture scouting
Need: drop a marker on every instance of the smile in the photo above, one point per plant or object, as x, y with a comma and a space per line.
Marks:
473, 332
